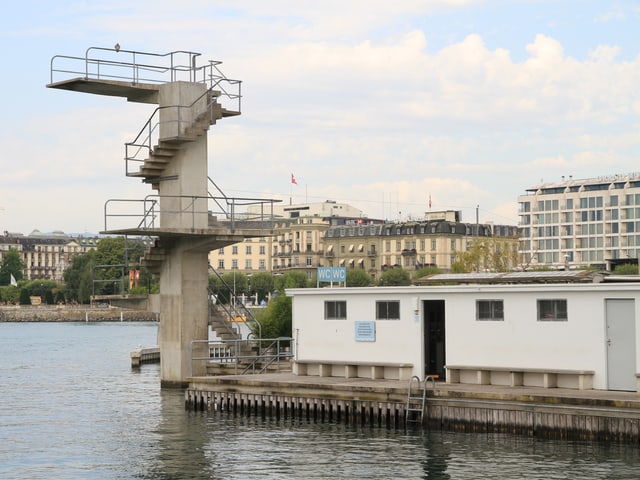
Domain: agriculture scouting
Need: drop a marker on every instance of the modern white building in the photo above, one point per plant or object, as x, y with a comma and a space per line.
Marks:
503, 329
586, 222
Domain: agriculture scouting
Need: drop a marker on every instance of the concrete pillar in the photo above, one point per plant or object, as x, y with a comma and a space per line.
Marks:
183, 313
183, 206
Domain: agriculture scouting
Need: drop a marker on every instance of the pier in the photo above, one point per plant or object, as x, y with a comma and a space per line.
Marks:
559, 413
144, 355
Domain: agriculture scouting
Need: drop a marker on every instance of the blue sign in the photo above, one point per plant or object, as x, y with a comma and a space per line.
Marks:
365, 331
332, 274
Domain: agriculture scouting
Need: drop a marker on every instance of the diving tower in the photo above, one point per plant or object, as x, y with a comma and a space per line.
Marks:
188, 215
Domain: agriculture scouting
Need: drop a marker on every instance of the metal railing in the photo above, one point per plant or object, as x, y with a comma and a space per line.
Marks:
116, 64
235, 309
149, 136
247, 356
147, 212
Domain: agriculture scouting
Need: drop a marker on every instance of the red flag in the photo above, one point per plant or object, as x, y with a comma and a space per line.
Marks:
293, 180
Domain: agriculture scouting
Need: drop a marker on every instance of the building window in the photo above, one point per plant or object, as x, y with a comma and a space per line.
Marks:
433, 244
221, 251
309, 262
552, 310
335, 310
489, 310
263, 265
220, 264
234, 250
234, 264
263, 250
247, 264
248, 249
388, 310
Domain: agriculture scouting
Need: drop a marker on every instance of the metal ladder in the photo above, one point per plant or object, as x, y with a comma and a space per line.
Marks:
416, 402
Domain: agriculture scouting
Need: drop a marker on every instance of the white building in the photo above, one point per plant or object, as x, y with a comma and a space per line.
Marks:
573, 335
583, 222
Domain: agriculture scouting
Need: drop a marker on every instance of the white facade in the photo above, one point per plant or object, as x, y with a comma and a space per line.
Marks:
582, 222
585, 340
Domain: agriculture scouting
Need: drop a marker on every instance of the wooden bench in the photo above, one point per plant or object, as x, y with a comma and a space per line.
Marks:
529, 377
373, 370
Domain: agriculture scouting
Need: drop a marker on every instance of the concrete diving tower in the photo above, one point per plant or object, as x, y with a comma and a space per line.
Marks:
170, 153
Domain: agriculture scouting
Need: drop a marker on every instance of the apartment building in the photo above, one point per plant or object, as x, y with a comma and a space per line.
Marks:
581, 222
296, 244
46, 255
434, 241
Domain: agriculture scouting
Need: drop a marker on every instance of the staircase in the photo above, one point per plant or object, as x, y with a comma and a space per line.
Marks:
154, 257
160, 155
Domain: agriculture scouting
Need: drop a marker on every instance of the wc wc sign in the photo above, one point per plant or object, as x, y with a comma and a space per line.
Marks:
331, 275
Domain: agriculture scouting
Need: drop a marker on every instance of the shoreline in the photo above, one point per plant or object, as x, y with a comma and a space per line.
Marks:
72, 313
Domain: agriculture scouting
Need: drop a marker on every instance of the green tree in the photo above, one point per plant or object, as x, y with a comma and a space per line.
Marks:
25, 297
262, 284
79, 277
357, 277
12, 264
10, 294
626, 269
293, 279
395, 276
229, 283
276, 317
425, 271
485, 254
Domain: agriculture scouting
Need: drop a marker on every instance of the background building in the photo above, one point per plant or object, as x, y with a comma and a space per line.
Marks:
297, 242
434, 241
588, 222
46, 255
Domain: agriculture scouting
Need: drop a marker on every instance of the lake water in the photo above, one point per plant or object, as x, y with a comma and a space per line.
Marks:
72, 408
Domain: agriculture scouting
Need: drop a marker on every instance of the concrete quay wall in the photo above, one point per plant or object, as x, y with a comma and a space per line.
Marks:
73, 313
587, 415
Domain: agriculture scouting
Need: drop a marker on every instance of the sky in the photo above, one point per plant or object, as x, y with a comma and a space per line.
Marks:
381, 105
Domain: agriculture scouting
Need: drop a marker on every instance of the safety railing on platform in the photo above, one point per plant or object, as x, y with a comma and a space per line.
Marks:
117, 64
247, 356
226, 212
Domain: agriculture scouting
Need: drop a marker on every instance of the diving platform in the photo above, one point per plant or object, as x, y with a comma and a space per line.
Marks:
133, 92
170, 154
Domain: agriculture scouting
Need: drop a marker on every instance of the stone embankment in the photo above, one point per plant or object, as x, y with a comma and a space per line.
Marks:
73, 313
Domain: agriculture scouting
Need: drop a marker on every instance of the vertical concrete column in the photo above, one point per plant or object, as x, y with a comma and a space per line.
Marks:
183, 313
183, 194
183, 206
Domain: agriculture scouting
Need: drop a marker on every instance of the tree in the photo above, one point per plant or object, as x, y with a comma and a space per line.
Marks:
425, 271
358, 278
12, 264
626, 269
224, 287
24, 297
276, 317
262, 284
79, 277
395, 276
487, 255
293, 279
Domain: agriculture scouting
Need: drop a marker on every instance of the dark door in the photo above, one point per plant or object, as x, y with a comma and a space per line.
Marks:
434, 339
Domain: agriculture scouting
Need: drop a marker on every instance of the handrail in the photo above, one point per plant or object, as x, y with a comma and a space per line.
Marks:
151, 127
152, 209
168, 66
230, 352
269, 358
232, 311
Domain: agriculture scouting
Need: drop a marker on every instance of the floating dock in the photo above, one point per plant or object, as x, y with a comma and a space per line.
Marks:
532, 411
